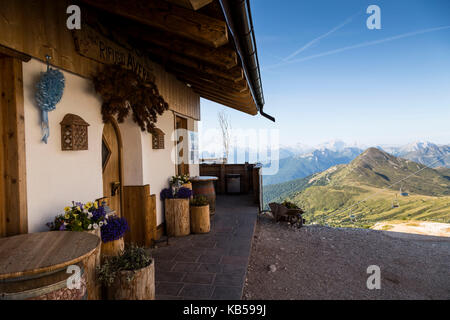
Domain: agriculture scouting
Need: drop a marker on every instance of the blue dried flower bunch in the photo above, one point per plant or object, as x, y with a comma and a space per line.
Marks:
114, 228
49, 91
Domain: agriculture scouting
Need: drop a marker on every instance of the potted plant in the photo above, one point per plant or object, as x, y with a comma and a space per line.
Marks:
200, 218
176, 203
88, 217
181, 181
112, 233
129, 276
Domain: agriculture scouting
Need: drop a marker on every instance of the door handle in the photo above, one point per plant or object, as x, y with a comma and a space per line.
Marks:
115, 187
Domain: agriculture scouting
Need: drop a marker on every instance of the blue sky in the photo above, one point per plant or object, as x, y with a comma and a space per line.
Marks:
371, 92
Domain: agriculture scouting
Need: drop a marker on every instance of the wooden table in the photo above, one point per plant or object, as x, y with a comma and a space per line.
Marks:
34, 266
204, 186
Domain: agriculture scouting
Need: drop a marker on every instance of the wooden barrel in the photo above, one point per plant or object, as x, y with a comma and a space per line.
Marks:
41, 266
133, 285
206, 189
177, 217
48, 286
200, 219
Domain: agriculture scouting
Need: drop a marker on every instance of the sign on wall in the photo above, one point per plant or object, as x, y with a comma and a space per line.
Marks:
93, 45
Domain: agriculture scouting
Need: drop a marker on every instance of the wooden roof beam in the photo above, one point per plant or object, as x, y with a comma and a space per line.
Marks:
218, 84
224, 57
244, 102
245, 97
241, 107
191, 4
235, 74
168, 17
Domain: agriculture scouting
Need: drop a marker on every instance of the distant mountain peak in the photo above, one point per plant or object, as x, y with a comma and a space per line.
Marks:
374, 154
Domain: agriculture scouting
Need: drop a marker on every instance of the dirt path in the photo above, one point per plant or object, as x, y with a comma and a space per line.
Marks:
331, 263
415, 227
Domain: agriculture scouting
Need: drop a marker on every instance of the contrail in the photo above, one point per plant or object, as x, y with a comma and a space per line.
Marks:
360, 45
309, 44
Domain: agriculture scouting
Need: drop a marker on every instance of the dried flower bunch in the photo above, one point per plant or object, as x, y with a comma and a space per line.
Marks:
123, 90
80, 217
132, 258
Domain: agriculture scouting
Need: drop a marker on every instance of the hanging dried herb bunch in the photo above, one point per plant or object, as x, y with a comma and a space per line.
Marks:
123, 90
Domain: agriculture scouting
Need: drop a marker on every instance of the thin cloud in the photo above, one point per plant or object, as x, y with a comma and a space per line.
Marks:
312, 42
360, 45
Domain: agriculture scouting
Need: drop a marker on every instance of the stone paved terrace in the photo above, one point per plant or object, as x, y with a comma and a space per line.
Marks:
209, 266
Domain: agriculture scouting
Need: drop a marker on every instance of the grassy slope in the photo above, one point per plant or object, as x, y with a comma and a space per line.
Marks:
326, 195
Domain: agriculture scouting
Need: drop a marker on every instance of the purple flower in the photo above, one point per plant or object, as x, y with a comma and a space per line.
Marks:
79, 204
98, 214
114, 229
166, 194
62, 227
184, 193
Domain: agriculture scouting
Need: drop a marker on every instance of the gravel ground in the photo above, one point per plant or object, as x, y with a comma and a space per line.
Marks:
317, 262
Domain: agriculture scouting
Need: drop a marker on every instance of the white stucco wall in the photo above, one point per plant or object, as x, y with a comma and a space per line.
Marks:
158, 165
55, 177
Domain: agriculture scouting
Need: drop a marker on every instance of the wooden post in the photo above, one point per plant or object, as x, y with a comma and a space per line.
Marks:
245, 177
150, 223
222, 182
140, 212
13, 190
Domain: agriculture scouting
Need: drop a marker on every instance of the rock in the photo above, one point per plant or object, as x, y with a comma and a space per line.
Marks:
272, 268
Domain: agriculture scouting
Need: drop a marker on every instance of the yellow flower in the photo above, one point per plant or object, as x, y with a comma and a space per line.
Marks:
78, 208
67, 216
66, 209
88, 205
96, 205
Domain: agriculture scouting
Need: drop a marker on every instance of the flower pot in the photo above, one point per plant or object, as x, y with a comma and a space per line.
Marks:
140, 287
200, 219
112, 248
187, 185
177, 217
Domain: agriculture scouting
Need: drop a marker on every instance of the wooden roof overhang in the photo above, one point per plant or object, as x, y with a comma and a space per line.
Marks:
189, 38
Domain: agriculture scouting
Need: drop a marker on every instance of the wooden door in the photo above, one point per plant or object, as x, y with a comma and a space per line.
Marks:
182, 145
112, 166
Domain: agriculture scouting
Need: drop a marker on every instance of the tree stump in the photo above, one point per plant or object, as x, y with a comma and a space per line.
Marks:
94, 286
140, 287
200, 219
112, 248
177, 217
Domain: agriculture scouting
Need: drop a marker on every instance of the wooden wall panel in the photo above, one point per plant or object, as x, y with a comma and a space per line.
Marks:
2, 174
13, 189
140, 212
38, 28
